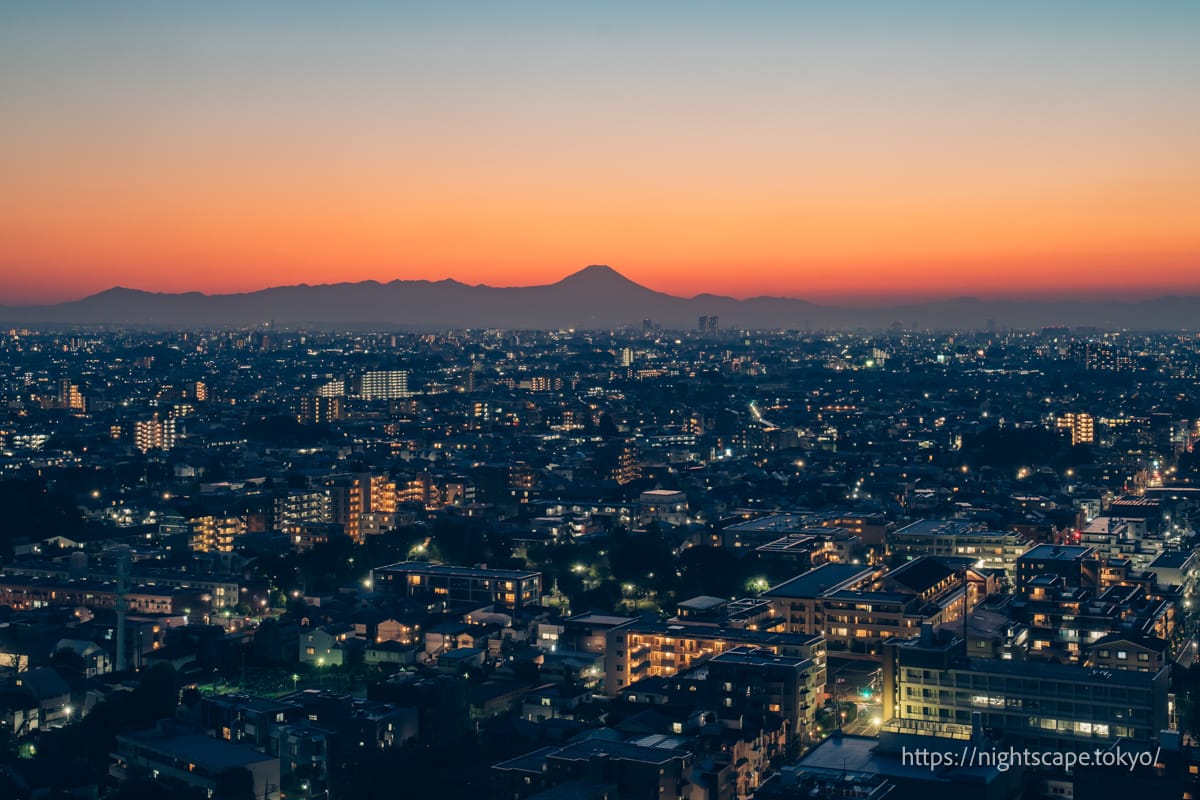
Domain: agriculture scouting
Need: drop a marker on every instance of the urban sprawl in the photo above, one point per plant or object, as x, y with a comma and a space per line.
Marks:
534, 565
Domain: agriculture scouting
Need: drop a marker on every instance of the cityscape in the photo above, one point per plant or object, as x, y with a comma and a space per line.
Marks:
611, 401
641, 562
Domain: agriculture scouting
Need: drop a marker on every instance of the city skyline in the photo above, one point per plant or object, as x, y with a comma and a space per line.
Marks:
792, 150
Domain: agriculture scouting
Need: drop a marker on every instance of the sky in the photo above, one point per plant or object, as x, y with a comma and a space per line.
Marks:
839, 150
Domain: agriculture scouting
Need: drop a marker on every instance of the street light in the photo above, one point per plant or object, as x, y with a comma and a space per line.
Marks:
295, 680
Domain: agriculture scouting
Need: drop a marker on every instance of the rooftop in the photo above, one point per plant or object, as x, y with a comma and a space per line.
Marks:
938, 527
921, 574
820, 580
593, 618
1057, 552
625, 751
449, 570
702, 603
1174, 559
754, 657
774, 522
800, 541
199, 748
1047, 671
861, 755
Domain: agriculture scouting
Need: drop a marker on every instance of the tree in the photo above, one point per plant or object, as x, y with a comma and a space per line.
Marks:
461, 541
141, 790
156, 697
31, 510
68, 660
236, 783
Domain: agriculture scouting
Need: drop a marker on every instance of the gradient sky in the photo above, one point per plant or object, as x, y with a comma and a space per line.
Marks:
819, 150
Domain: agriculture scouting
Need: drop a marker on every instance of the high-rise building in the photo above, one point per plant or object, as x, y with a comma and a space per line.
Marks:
154, 434
381, 495
347, 497
209, 532
335, 388
1080, 424
69, 396
300, 508
317, 410
384, 385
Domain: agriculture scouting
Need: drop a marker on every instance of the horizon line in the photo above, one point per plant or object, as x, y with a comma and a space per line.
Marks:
1119, 294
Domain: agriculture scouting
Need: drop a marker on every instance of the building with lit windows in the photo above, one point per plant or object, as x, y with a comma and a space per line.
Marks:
296, 509
347, 497
857, 609
989, 549
25, 593
154, 434
515, 590
662, 505
186, 759
798, 603
1077, 565
928, 682
1081, 426
318, 410
767, 684
383, 385
648, 649
70, 398
209, 533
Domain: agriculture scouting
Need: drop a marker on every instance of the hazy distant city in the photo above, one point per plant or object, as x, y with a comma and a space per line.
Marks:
629, 563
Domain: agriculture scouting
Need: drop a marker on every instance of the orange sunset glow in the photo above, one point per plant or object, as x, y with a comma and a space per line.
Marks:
866, 166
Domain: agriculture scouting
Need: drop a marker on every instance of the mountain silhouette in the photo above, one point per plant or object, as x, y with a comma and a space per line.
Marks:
596, 297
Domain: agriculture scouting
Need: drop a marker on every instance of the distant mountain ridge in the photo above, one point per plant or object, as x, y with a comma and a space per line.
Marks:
596, 297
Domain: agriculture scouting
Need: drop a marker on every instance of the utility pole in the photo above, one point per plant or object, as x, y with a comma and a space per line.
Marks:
122, 602
966, 607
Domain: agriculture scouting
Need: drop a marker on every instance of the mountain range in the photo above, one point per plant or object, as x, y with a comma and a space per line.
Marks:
596, 297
